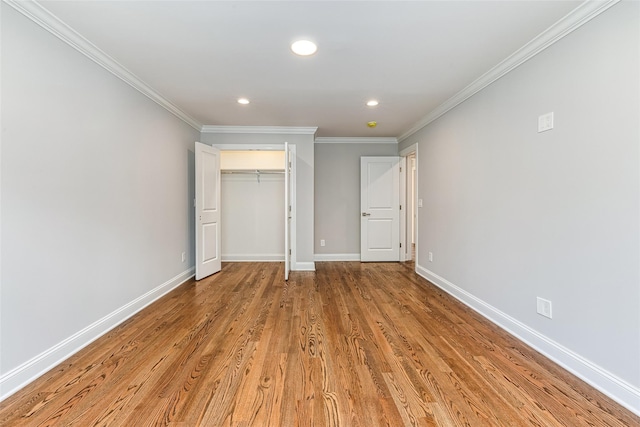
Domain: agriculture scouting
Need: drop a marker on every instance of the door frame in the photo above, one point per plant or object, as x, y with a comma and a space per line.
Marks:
403, 209
405, 176
292, 182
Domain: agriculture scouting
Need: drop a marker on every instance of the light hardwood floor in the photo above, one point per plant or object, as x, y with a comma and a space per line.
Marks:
349, 345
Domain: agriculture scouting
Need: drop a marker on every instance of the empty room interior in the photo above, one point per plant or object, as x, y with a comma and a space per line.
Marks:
427, 216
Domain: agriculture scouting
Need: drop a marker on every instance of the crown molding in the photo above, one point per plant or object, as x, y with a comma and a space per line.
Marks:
280, 130
572, 21
356, 140
41, 16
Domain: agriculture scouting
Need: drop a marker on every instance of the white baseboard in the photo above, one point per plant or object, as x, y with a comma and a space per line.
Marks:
616, 388
22, 375
337, 257
304, 266
253, 257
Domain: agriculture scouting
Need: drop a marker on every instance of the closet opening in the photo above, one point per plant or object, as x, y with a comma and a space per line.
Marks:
257, 205
252, 199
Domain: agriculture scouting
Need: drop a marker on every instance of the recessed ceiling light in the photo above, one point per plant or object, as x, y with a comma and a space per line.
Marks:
243, 101
372, 103
304, 48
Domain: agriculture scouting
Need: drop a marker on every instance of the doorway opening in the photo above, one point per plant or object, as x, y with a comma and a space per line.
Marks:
258, 182
252, 198
409, 196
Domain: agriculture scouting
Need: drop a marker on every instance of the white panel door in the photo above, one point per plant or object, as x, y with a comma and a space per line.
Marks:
287, 212
380, 206
208, 255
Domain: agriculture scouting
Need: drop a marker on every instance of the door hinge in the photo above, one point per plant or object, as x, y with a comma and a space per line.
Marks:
289, 208
400, 169
400, 244
289, 251
400, 207
194, 203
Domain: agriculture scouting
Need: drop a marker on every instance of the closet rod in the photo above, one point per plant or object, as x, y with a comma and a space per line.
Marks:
251, 171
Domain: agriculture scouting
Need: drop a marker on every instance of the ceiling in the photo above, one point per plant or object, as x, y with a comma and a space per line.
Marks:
410, 56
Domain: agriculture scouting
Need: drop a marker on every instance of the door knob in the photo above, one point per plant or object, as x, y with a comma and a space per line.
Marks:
366, 214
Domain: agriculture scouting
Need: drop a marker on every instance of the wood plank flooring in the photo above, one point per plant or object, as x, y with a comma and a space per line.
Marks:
349, 345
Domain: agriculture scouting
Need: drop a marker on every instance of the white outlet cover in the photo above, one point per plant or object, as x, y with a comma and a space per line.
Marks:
543, 307
545, 122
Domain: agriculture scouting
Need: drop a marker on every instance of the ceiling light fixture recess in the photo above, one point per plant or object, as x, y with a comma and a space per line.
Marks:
243, 101
372, 103
304, 47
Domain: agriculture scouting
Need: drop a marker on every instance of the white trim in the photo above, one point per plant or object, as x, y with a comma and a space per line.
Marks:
27, 372
574, 20
413, 148
336, 257
303, 266
253, 258
355, 140
403, 212
1, 376
276, 130
616, 388
41, 16
417, 208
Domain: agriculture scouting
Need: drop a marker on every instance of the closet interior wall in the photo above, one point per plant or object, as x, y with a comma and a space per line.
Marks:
252, 203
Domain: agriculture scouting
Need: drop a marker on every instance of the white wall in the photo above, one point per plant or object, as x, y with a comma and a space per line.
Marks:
253, 160
97, 194
252, 217
511, 214
304, 182
337, 195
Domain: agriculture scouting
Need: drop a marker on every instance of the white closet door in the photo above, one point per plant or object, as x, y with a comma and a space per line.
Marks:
208, 255
287, 212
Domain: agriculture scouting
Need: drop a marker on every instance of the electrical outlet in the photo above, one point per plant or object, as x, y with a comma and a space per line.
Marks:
545, 122
322, 242
544, 307
184, 256
430, 256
